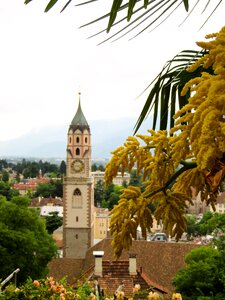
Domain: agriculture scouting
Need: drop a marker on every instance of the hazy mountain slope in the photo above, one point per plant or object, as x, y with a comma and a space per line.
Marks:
51, 141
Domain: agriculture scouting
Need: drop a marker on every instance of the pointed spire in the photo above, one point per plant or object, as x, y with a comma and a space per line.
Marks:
79, 120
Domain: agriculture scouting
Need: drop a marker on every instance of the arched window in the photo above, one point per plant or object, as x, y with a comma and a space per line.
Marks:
77, 199
77, 151
70, 140
77, 219
77, 139
86, 140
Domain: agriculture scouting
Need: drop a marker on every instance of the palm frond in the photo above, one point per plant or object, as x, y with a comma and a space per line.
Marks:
143, 15
133, 8
165, 90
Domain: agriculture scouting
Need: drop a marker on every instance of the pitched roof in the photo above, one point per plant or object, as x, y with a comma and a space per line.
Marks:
79, 121
158, 262
61, 267
40, 201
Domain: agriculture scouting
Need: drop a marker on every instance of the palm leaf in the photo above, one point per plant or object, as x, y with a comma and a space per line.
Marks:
65, 6
139, 5
50, 5
114, 10
165, 90
144, 14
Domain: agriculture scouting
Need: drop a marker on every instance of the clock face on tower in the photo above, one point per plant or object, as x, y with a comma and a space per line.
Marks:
77, 165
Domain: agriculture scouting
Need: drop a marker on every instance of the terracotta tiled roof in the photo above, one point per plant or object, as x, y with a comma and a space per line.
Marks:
39, 201
24, 186
66, 267
158, 263
158, 260
116, 272
152, 284
30, 184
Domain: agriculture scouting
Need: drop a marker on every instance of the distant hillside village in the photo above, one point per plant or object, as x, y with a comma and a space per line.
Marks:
74, 191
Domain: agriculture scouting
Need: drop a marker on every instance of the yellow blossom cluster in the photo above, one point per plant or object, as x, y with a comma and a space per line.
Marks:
120, 295
131, 211
204, 115
176, 296
153, 296
192, 154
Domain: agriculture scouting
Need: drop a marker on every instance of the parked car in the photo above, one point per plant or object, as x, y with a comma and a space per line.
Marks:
159, 236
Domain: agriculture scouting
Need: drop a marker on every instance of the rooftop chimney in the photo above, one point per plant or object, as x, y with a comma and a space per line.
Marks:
98, 262
132, 264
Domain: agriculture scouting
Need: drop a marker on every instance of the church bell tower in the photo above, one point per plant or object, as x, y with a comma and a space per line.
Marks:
78, 189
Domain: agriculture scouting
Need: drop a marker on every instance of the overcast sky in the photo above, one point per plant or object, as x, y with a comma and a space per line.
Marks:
45, 59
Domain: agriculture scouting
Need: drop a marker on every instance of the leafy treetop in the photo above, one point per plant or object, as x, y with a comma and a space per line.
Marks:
24, 241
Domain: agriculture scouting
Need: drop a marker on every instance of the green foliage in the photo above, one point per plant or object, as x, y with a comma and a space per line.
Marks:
203, 275
5, 176
7, 191
24, 241
108, 196
97, 167
192, 226
22, 201
99, 193
62, 167
115, 196
53, 221
3, 164
17, 177
208, 223
112, 195
50, 189
211, 223
31, 169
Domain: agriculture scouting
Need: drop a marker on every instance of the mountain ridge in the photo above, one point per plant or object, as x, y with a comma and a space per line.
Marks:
50, 141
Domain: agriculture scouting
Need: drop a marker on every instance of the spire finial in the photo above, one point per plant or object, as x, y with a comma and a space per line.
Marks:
79, 90
79, 93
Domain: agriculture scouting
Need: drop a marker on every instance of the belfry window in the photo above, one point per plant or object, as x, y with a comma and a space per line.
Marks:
77, 151
78, 140
77, 199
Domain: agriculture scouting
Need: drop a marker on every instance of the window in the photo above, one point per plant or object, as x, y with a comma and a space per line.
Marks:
77, 139
77, 219
77, 151
77, 199
86, 140
70, 140
76, 236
